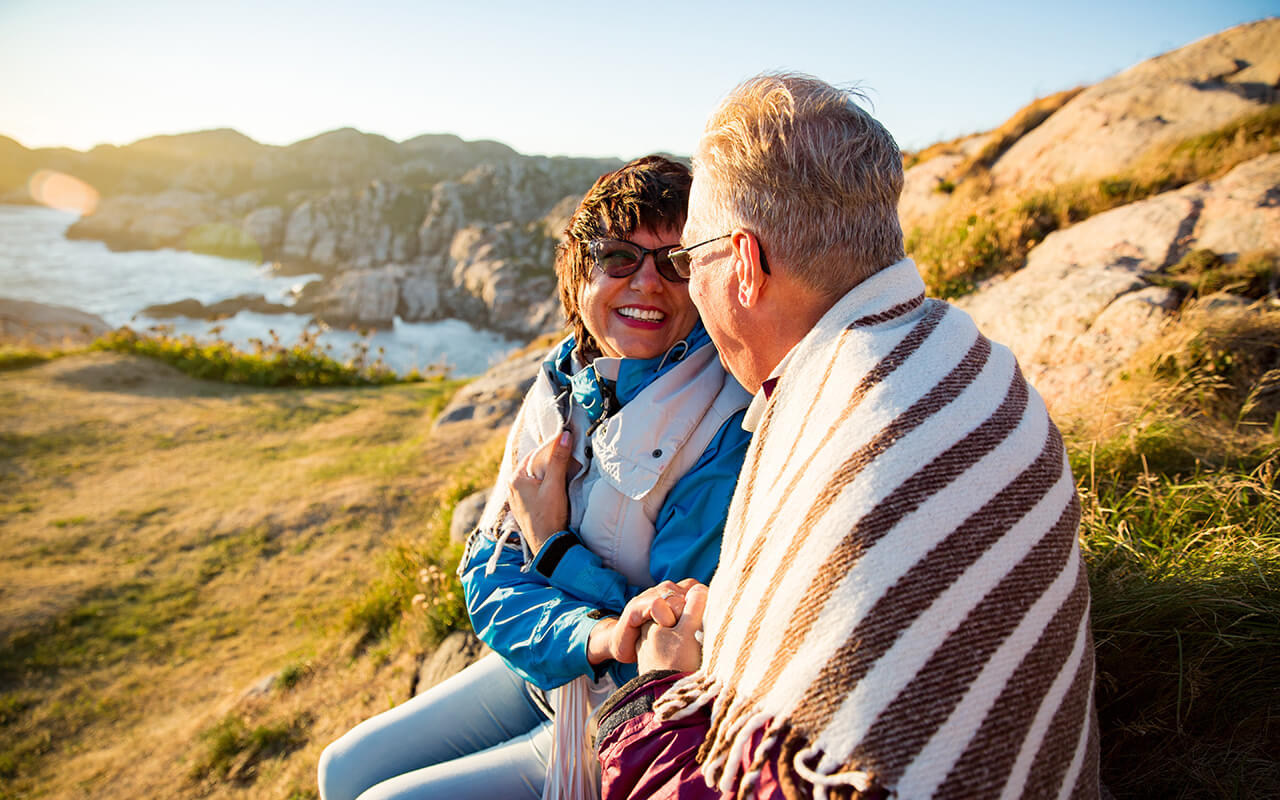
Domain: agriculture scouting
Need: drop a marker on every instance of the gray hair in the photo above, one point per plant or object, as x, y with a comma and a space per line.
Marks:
797, 162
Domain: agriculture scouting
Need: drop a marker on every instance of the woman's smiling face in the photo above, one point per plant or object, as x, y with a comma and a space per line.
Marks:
643, 314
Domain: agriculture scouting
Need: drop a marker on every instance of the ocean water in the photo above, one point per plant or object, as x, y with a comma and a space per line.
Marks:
38, 263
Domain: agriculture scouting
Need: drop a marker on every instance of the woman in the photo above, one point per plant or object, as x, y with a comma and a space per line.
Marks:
653, 423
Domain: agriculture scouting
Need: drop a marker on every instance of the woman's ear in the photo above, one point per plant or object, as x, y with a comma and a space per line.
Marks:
747, 267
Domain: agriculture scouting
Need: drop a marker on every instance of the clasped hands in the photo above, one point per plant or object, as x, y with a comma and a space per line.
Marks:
658, 628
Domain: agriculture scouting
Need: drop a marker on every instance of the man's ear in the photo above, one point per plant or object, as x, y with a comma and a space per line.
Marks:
747, 267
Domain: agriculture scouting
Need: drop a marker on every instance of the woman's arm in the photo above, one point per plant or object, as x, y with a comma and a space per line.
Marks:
541, 632
686, 541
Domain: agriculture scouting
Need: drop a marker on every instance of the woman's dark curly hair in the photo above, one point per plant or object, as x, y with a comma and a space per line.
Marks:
650, 192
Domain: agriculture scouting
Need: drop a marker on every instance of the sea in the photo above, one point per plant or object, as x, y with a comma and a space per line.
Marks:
38, 263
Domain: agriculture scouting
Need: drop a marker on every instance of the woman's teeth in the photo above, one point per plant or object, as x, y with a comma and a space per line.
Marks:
648, 315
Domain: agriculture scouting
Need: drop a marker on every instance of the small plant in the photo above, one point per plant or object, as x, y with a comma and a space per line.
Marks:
233, 749
1203, 272
292, 674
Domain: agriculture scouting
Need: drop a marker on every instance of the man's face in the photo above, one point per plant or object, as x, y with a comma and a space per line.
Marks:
713, 286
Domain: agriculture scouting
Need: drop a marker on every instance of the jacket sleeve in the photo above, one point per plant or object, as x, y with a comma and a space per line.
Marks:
642, 756
687, 533
540, 632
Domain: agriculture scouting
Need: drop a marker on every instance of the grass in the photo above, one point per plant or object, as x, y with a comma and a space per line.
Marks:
233, 749
163, 549
981, 233
418, 597
270, 364
1027, 119
1180, 485
17, 357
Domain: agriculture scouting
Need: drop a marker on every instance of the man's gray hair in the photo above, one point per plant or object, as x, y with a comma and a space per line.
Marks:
797, 162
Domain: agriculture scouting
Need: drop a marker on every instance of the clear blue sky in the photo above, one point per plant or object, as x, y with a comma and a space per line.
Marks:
577, 78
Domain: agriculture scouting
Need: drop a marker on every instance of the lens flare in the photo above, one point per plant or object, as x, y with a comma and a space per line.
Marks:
62, 191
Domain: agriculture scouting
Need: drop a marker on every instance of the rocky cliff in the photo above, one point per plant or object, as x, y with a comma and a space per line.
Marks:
427, 228
1087, 296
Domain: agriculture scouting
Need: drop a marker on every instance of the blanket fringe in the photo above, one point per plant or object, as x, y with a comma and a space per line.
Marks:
687, 695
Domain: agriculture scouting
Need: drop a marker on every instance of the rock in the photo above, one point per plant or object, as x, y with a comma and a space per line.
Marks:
300, 232
1242, 213
466, 514
458, 651
496, 285
266, 227
194, 309
45, 325
261, 687
493, 399
364, 297
921, 185
1180, 94
419, 297
149, 222
1082, 304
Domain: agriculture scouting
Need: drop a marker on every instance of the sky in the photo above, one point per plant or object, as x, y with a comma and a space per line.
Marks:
559, 78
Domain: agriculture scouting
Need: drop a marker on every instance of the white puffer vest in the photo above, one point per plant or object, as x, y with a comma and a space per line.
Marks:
631, 460
629, 464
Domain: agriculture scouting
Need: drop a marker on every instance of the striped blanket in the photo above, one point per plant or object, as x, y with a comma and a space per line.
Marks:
900, 606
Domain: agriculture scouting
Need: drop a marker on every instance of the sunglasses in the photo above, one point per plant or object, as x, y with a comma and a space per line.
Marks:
619, 258
682, 259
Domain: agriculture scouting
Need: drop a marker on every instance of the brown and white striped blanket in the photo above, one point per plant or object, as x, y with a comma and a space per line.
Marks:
901, 604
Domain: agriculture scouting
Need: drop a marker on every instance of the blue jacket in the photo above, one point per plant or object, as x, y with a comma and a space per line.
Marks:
539, 617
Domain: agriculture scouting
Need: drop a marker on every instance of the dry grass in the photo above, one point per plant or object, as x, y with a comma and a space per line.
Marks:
983, 232
1179, 480
166, 543
1027, 119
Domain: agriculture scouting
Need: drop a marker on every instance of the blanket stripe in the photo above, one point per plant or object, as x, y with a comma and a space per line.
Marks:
901, 606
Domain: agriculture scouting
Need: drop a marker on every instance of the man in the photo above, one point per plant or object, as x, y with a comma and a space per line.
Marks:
900, 607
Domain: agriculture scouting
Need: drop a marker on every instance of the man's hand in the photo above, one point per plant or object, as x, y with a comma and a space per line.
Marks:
539, 490
614, 638
677, 647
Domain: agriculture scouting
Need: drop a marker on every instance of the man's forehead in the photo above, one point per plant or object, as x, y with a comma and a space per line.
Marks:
699, 199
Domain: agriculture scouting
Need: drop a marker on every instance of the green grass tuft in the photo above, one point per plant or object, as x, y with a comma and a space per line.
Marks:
304, 364
233, 749
15, 357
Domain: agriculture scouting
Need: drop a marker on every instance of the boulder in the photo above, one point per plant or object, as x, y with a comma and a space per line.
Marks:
1181, 94
364, 297
419, 297
266, 227
1083, 303
493, 399
45, 325
458, 651
466, 515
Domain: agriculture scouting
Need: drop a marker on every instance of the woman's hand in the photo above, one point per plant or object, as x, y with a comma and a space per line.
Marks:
618, 639
539, 491
678, 647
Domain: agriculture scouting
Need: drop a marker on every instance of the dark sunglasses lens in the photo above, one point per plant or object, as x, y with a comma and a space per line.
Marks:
667, 266
618, 259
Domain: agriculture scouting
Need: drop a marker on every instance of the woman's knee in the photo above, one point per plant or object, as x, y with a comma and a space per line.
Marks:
330, 772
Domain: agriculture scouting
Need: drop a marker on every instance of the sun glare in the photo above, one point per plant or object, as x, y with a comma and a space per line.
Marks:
62, 191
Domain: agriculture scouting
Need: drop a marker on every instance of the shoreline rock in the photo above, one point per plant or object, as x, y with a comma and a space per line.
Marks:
47, 325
